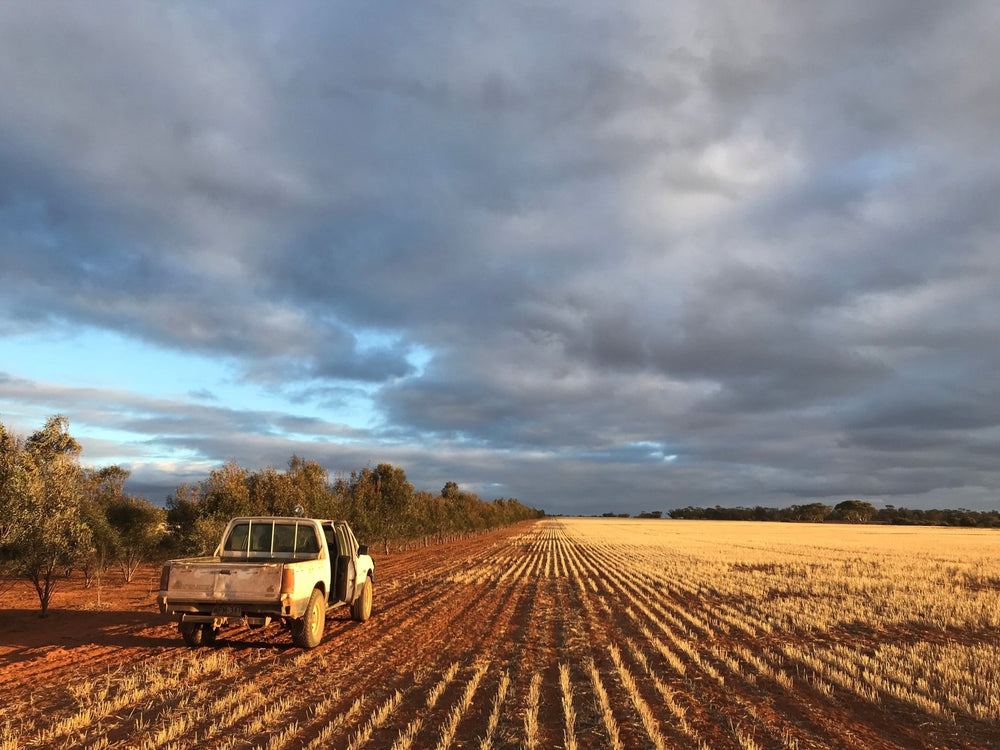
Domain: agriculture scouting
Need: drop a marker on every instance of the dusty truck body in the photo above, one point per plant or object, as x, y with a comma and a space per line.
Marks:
270, 569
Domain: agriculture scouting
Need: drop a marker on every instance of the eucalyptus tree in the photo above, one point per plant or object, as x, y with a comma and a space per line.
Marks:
383, 499
43, 490
140, 526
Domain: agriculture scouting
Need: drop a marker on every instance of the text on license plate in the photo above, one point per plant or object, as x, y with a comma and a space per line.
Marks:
227, 610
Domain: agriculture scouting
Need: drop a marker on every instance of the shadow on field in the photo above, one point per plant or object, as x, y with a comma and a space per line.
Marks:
68, 633
338, 624
24, 633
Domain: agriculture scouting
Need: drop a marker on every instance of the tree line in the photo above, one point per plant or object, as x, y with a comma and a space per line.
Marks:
379, 502
848, 511
56, 515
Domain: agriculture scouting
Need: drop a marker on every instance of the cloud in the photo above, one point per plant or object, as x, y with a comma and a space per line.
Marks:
533, 240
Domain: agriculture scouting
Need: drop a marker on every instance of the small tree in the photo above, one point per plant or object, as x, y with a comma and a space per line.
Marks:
14, 488
103, 548
104, 486
140, 526
48, 531
183, 512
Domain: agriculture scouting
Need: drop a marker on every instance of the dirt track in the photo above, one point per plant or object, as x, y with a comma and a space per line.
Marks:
453, 624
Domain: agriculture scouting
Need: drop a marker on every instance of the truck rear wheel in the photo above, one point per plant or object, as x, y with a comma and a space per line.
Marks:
197, 634
361, 610
308, 631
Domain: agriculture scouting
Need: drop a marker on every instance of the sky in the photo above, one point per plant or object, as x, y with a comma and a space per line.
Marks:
594, 256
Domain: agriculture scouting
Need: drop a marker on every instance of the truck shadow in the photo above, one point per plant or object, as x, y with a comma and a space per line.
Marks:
25, 635
274, 636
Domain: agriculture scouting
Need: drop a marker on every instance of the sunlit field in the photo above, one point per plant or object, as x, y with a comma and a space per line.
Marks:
890, 614
571, 633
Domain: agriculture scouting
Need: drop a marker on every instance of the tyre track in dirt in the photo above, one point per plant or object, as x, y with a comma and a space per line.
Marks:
41, 665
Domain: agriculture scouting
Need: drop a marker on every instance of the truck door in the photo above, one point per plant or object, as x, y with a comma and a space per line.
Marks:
331, 545
346, 573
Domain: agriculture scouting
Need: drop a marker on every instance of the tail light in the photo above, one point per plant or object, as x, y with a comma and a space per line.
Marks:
287, 580
165, 578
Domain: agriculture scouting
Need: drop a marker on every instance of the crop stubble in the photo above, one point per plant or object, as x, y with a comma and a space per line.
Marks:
586, 633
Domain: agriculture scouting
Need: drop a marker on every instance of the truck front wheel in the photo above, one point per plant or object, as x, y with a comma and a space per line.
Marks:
308, 632
361, 610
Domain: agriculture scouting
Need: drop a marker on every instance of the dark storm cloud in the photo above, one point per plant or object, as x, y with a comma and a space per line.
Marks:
657, 254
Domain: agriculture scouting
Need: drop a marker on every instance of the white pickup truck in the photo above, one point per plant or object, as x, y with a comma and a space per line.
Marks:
270, 569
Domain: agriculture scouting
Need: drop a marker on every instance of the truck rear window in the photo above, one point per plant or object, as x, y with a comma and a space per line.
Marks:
237, 539
271, 539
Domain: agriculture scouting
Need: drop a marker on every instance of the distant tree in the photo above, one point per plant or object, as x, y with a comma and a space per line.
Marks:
687, 513
384, 499
103, 548
226, 493
205, 535
854, 511
183, 513
811, 513
270, 491
760, 513
310, 488
109, 481
429, 516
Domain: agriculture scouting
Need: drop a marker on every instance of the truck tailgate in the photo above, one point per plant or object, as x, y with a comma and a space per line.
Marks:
233, 582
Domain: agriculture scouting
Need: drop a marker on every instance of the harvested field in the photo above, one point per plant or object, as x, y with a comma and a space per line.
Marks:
572, 633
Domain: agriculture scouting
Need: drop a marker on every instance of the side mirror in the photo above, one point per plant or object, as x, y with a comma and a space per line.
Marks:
362, 549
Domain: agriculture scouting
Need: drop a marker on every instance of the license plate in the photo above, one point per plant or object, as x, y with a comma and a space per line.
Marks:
227, 611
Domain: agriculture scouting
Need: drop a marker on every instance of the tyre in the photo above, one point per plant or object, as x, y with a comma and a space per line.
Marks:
198, 634
208, 635
308, 631
361, 610
193, 633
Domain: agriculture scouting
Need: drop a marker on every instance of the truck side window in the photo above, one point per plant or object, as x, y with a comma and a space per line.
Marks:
344, 547
237, 541
305, 539
331, 540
